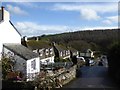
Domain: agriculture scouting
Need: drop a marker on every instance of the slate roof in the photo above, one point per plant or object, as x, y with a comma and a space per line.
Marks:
21, 51
60, 47
72, 49
33, 45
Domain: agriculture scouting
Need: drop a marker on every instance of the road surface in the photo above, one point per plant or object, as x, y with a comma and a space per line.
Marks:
93, 77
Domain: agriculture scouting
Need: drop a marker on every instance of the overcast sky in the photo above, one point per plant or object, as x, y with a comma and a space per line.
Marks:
37, 18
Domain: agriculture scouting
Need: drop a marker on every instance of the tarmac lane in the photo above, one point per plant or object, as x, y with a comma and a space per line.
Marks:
93, 77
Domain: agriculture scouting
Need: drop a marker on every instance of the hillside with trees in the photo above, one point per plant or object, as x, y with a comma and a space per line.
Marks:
114, 61
98, 40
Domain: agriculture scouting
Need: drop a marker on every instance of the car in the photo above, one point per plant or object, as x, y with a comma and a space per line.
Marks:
81, 59
91, 62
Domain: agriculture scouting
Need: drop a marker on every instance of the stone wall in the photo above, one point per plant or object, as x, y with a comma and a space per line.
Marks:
57, 78
69, 75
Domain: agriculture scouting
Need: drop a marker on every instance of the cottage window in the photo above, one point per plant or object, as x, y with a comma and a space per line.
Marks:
61, 54
51, 51
41, 53
77, 52
64, 53
35, 51
47, 51
68, 52
33, 64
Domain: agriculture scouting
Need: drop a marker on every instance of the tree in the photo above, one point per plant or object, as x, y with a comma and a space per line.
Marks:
114, 60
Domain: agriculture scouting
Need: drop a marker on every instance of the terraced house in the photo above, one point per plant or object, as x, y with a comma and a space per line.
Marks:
44, 49
62, 51
65, 52
48, 51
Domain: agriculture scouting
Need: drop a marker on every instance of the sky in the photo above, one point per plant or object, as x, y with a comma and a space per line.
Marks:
38, 18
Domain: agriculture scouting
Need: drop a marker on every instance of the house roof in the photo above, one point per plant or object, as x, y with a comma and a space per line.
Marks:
21, 50
72, 49
32, 44
60, 47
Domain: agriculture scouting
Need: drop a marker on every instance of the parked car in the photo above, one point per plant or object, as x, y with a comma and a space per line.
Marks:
81, 58
91, 62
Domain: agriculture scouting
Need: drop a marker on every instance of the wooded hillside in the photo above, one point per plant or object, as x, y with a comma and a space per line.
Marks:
98, 40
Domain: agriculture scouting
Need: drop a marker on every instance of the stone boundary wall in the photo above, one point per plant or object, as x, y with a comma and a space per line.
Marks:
69, 75
60, 78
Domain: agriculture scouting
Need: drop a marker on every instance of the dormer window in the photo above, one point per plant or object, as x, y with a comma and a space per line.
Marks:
68, 52
61, 54
51, 51
47, 51
41, 54
35, 51
64, 53
77, 52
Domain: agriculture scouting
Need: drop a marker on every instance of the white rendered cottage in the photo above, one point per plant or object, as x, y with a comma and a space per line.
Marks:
26, 61
8, 33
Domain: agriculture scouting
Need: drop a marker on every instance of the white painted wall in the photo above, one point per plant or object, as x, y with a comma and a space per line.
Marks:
30, 70
8, 34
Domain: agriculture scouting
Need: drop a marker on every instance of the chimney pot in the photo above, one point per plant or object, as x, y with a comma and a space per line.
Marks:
2, 7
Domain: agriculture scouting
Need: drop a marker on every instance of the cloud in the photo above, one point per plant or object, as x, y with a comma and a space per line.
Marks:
28, 4
61, 0
89, 14
113, 18
98, 7
88, 11
34, 29
31, 29
85, 13
16, 10
110, 20
100, 27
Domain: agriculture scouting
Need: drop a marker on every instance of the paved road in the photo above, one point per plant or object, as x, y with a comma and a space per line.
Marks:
92, 77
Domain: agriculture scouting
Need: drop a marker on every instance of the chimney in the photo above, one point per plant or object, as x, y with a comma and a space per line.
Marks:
2, 8
53, 44
37, 38
24, 41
